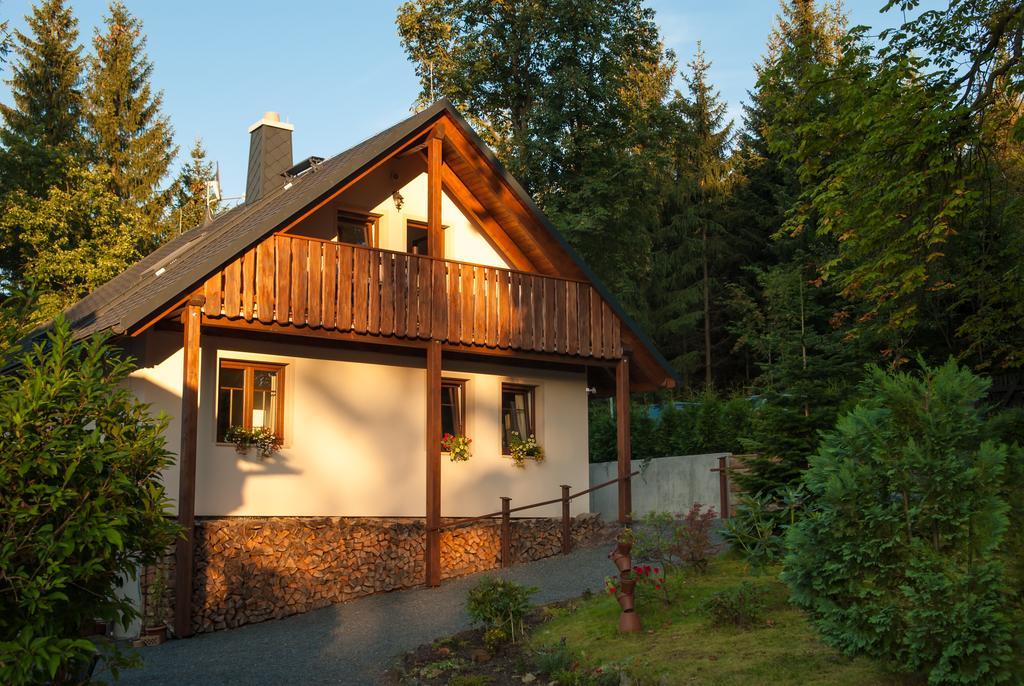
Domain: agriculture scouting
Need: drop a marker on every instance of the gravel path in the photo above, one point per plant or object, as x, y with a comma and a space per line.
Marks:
354, 642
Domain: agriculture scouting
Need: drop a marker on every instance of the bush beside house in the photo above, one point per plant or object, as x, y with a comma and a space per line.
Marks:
82, 505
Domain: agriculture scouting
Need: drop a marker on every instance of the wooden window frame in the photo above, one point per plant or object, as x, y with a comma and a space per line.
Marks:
531, 410
423, 226
460, 407
370, 221
249, 369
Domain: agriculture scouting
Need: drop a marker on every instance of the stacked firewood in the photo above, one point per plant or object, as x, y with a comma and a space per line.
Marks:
253, 569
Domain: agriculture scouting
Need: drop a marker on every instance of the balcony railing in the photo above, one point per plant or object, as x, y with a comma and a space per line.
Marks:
307, 282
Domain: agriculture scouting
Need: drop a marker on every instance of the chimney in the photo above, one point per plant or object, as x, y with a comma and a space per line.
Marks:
270, 155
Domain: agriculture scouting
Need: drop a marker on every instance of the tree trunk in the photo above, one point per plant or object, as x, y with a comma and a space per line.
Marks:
707, 307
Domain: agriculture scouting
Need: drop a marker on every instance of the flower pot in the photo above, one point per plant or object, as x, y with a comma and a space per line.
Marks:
155, 635
623, 548
629, 622
625, 601
621, 561
628, 586
242, 449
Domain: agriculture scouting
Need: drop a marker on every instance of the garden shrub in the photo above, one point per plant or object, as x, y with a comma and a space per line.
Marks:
902, 555
500, 606
706, 422
82, 504
557, 658
740, 606
757, 530
672, 540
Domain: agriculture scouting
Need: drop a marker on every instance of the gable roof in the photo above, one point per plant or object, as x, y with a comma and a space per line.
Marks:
159, 279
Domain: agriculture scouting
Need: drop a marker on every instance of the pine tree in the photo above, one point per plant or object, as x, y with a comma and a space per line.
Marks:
190, 190
693, 247
130, 134
42, 130
803, 38
807, 369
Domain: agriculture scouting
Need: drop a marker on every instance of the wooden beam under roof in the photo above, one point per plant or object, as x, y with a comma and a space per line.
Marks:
474, 210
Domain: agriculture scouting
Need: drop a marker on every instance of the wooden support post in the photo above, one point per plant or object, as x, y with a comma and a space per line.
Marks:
506, 532
435, 235
190, 318
433, 550
723, 486
622, 439
566, 522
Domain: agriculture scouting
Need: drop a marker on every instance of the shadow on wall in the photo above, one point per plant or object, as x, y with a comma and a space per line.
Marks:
397, 423
230, 491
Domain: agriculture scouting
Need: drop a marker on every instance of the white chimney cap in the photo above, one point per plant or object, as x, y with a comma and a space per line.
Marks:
271, 119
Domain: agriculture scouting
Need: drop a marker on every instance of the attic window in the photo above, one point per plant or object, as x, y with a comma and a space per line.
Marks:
416, 240
355, 228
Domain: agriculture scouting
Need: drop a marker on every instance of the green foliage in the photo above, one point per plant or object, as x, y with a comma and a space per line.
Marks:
42, 128
741, 606
756, 530
129, 134
570, 95
555, 659
189, 201
500, 604
82, 504
694, 250
705, 423
673, 540
71, 240
470, 680
808, 372
903, 555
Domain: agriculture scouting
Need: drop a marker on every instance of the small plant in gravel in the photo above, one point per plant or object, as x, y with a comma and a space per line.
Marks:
500, 604
740, 606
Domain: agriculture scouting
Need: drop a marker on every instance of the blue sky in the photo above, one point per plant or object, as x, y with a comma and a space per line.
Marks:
337, 71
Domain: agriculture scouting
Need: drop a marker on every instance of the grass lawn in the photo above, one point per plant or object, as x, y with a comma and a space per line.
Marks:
682, 645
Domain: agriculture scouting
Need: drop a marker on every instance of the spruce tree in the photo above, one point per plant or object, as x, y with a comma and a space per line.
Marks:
693, 246
189, 203
788, 319
42, 129
130, 134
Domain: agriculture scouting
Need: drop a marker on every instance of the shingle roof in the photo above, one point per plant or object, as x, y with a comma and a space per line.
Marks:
143, 289
158, 279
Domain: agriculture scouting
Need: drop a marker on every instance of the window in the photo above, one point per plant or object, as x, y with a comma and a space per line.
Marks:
357, 229
517, 413
416, 238
250, 395
453, 407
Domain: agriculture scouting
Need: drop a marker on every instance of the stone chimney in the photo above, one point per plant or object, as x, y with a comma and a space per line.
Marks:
270, 155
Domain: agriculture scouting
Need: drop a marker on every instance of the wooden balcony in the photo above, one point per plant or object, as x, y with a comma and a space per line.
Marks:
307, 282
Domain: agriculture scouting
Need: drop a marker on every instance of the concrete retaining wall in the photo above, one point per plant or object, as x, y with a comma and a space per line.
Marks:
669, 484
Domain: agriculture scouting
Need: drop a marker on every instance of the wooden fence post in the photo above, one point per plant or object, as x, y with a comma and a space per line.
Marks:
723, 486
506, 532
566, 522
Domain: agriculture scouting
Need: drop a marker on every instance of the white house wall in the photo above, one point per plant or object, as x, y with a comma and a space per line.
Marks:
355, 425
462, 240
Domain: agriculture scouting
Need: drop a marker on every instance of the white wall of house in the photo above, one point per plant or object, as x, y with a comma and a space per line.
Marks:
462, 240
355, 432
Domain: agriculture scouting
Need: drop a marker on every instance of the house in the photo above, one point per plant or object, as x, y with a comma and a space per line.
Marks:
359, 307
